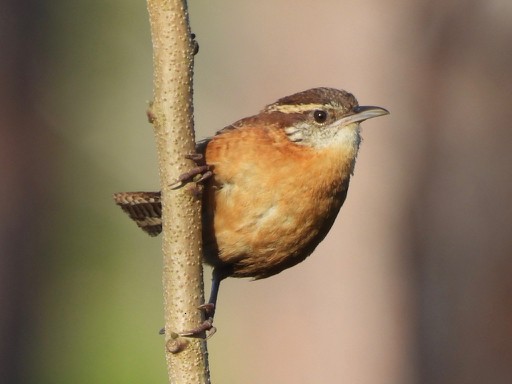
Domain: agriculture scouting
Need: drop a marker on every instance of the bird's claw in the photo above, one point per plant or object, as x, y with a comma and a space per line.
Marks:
205, 330
208, 309
197, 174
197, 158
203, 171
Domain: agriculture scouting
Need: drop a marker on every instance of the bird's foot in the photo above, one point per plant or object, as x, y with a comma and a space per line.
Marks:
198, 174
208, 309
205, 330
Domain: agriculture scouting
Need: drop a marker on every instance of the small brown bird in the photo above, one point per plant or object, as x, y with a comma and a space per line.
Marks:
278, 180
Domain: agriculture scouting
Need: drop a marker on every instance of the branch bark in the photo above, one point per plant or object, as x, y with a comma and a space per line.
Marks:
172, 116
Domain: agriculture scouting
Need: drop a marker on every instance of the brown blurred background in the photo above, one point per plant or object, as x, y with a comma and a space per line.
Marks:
413, 284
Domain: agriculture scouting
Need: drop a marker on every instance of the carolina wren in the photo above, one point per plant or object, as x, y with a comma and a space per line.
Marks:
278, 180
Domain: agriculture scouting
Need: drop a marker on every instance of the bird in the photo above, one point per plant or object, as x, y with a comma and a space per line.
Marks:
273, 184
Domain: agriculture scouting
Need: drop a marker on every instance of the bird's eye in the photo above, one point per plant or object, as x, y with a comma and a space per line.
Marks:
320, 116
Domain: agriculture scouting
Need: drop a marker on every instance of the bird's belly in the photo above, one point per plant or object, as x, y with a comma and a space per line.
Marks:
270, 231
271, 204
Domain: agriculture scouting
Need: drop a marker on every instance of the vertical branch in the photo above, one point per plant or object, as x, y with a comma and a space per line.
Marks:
171, 115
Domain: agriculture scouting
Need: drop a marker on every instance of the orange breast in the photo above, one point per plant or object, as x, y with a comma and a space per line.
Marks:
272, 201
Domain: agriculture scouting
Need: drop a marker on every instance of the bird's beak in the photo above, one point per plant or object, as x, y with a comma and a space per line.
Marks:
362, 113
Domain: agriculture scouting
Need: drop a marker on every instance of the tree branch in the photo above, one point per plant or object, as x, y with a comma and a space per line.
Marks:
171, 115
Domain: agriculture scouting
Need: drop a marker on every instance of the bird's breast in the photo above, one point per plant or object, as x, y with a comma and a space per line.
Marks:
272, 201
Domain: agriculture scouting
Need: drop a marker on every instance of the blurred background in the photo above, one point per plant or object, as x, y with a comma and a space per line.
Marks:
412, 285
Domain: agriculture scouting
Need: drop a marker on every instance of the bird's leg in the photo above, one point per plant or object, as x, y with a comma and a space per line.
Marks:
219, 274
201, 172
206, 329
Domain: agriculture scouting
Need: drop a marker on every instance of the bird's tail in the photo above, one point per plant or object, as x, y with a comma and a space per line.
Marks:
145, 208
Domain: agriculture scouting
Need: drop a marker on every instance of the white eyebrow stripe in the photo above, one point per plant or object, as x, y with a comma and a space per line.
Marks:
295, 108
